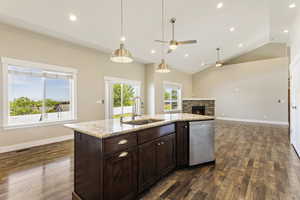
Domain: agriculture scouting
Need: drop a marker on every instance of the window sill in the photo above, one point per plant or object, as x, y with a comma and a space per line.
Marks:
41, 124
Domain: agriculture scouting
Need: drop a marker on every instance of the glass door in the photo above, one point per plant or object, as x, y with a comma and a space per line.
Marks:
120, 99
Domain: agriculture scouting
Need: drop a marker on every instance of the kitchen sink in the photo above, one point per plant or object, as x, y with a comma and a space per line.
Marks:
143, 121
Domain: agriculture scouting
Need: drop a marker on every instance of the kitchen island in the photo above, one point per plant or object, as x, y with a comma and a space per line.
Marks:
119, 160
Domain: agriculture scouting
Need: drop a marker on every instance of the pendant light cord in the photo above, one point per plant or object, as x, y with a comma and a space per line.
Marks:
122, 20
163, 29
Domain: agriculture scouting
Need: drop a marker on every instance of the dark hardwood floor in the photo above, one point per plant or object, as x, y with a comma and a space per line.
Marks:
253, 162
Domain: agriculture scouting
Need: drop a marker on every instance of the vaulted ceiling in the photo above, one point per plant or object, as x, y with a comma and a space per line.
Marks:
256, 22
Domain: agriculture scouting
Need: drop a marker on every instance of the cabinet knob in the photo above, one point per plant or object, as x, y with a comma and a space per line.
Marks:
123, 154
185, 126
123, 142
162, 143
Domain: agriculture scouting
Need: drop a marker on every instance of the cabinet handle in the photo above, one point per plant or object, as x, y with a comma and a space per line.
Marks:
123, 154
123, 142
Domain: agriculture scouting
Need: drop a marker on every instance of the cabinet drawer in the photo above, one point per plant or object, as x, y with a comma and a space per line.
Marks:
156, 132
112, 145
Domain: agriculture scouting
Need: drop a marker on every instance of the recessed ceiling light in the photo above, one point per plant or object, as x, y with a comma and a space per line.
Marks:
153, 51
292, 5
232, 29
186, 55
286, 31
73, 17
220, 5
241, 45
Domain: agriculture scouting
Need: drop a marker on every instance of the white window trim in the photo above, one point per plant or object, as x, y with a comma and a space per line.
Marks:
112, 80
5, 61
176, 85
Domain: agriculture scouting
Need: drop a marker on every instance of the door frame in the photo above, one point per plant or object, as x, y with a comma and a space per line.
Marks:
295, 63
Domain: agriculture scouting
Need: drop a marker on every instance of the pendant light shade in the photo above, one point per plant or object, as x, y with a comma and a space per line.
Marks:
121, 55
162, 67
218, 63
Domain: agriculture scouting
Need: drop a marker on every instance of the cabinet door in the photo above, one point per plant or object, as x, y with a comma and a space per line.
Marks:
120, 176
147, 165
165, 154
182, 144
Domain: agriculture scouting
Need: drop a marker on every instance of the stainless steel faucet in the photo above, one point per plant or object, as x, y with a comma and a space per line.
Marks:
135, 108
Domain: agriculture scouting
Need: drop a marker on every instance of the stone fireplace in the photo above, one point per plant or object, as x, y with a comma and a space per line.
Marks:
201, 106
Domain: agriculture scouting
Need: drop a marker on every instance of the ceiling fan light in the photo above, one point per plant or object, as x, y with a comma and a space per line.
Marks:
173, 46
121, 55
219, 64
163, 67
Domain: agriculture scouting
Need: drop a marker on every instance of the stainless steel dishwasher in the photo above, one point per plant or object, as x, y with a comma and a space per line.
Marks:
202, 142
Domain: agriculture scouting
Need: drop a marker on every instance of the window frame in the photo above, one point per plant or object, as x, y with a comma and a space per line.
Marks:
168, 84
109, 81
5, 62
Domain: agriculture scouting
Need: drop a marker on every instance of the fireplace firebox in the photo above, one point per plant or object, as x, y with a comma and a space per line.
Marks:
198, 110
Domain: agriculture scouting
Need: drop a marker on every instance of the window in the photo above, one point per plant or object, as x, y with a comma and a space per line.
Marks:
119, 96
37, 93
172, 97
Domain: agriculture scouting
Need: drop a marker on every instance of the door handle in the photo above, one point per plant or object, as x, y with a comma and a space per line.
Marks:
123, 154
294, 107
123, 142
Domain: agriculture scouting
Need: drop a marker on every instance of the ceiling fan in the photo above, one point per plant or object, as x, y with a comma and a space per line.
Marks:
173, 44
218, 63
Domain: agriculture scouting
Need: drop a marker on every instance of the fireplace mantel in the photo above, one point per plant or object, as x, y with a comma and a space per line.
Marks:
198, 99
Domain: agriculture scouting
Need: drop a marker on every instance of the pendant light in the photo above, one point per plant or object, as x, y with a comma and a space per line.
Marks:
121, 55
218, 63
163, 67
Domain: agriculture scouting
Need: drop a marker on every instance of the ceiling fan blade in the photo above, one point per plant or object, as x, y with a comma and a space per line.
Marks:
160, 41
188, 42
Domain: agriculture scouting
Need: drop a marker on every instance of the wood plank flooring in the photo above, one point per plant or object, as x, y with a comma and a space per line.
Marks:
254, 162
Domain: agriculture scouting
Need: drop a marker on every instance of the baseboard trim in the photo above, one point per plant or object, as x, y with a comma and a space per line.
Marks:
27, 145
253, 121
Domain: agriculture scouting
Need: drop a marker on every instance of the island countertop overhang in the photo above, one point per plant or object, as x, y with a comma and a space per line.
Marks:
113, 127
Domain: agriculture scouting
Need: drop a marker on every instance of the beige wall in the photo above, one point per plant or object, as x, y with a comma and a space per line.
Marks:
155, 84
92, 66
267, 51
248, 91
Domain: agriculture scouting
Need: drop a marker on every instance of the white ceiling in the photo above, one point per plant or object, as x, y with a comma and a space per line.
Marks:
256, 23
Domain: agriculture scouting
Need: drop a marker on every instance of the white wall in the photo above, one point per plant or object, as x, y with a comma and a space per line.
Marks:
92, 66
155, 86
248, 91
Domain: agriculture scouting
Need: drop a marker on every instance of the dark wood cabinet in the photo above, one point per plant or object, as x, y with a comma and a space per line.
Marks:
120, 175
123, 166
147, 165
88, 163
182, 144
156, 159
165, 155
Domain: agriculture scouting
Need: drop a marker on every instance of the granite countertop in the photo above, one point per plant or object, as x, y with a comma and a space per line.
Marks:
112, 127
